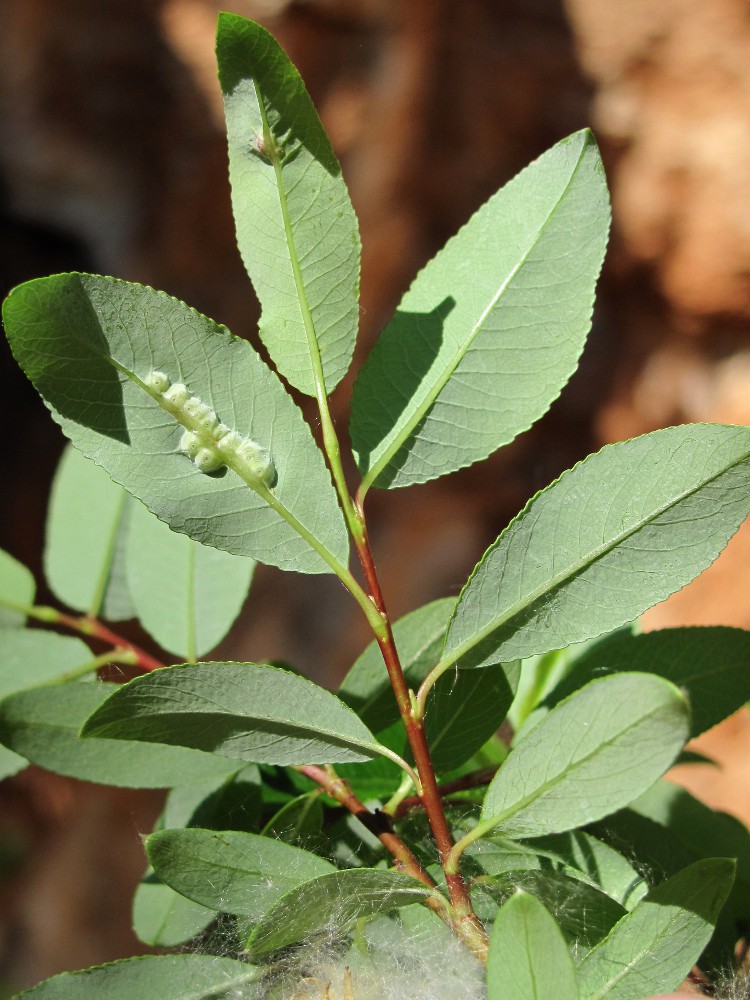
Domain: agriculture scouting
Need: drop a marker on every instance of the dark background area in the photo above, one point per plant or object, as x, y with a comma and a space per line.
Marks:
113, 159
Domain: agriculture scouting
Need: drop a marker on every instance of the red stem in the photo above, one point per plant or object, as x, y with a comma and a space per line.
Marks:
376, 823
430, 796
476, 779
93, 627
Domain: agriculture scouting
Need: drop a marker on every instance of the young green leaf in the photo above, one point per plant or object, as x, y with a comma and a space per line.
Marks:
168, 977
653, 948
231, 871
90, 345
332, 903
86, 529
296, 227
613, 536
42, 725
528, 957
17, 591
492, 328
710, 664
238, 710
190, 609
591, 755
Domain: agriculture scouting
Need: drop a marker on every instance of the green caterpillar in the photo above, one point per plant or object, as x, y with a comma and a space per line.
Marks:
210, 444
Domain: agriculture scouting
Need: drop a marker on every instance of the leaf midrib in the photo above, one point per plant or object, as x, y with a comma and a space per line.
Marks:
577, 568
313, 347
452, 364
493, 821
300, 731
628, 968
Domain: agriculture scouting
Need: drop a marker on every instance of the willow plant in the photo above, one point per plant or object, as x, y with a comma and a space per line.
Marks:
386, 825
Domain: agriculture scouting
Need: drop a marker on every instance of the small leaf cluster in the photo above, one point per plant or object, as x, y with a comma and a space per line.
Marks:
556, 854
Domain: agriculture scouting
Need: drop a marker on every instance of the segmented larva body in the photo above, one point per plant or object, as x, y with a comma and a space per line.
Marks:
210, 445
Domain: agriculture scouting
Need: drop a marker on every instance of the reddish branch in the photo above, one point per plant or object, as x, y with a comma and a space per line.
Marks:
376, 823
430, 796
476, 779
94, 628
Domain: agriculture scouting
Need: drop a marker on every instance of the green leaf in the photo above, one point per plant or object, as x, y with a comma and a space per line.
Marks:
492, 328
296, 227
711, 664
163, 918
42, 725
576, 854
235, 872
17, 591
465, 710
584, 913
86, 527
299, 821
168, 977
88, 343
593, 754
528, 957
330, 904
30, 657
613, 536
653, 948
419, 638
599, 862
238, 710
190, 608
668, 828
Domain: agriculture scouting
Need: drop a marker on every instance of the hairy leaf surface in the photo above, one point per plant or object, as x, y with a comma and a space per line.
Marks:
231, 871
332, 902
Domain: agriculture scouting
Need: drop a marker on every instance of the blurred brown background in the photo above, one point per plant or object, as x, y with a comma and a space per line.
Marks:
112, 159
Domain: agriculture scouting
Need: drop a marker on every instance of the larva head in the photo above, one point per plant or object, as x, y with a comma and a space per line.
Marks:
157, 381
